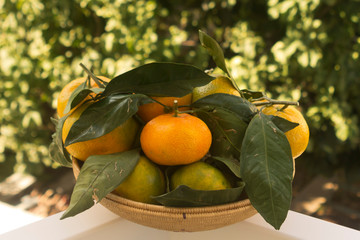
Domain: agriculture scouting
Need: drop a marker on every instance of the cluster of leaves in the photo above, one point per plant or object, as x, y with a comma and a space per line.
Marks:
301, 50
249, 145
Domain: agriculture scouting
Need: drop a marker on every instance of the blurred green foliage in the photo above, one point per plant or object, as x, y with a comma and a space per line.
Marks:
303, 50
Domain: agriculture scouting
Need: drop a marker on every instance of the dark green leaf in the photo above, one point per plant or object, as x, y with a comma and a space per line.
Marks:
248, 94
227, 132
168, 172
56, 149
283, 124
159, 79
232, 163
266, 167
78, 95
69, 104
241, 107
100, 175
227, 117
214, 50
217, 54
104, 116
184, 196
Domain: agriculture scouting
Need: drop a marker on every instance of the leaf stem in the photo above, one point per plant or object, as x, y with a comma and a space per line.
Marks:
270, 101
187, 111
167, 109
98, 81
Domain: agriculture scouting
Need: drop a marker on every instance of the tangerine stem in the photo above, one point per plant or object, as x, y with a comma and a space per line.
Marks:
88, 84
176, 108
97, 80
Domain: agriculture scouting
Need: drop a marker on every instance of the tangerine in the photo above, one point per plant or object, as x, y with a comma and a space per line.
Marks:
220, 84
145, 181
298, 137
69, 88
118, 140
199, 176
151, 110
175, 139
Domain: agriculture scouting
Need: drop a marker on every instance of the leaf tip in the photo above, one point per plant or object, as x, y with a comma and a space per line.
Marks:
65, 215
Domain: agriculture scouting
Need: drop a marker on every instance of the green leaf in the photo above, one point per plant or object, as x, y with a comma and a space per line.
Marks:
183, 196
56, 149
266, 167
283, 124
232, 163
100, 175
104, 116
214, 50
249, 94
241, 107
78, 95
227, 117
159, 79
227, 132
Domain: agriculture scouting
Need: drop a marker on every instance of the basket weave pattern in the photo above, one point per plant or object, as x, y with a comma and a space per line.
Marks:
174, 218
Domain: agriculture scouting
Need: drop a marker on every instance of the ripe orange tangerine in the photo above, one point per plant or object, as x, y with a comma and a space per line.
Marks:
175, 139
118, 140
298, 137
152, 110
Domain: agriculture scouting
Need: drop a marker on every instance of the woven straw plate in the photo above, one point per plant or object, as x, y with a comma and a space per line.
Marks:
176, 219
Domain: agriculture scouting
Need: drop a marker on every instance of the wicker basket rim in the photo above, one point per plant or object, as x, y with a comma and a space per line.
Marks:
163, 209
158, 208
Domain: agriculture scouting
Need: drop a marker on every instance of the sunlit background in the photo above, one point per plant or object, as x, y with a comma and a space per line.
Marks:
301, 50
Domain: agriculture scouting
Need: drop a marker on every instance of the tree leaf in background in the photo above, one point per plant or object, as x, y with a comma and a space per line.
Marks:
266, 167
283, 124
56, 149
159, 79
104, 116
183, 196
100, 175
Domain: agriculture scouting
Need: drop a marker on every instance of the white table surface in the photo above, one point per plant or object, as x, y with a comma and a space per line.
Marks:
99, 223
13, 218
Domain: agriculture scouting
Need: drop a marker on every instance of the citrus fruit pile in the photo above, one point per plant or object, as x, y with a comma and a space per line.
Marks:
171, 134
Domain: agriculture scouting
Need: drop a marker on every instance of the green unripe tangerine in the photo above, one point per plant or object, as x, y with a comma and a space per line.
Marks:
199, 176
145, 181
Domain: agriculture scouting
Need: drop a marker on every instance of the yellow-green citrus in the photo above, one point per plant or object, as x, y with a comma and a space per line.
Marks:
199, 176
298, 137
218, 85
145, 181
